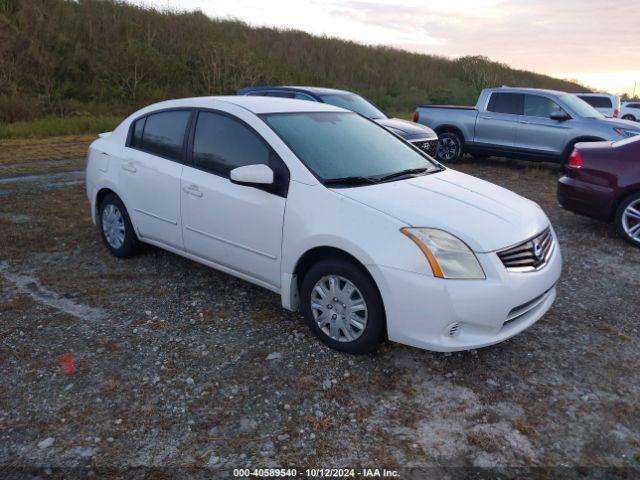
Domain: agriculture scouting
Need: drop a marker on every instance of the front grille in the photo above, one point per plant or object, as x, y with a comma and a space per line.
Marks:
427, 146
529, 255
521, 310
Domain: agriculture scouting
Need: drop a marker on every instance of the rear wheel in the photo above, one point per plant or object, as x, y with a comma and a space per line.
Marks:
629, 117
116, 228
450, 147
628, 219
342, 306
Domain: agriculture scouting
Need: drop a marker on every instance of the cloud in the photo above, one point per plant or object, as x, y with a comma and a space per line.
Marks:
542, 35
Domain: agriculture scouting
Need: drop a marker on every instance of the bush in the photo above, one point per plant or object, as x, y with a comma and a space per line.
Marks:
18, 108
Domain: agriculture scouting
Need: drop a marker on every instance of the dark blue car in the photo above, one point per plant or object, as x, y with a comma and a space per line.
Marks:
419, 135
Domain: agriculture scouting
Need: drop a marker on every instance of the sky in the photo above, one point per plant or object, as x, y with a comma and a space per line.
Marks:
596, 42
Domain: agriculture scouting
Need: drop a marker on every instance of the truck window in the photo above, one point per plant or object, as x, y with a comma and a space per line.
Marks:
512, 103
279, 93
538, 106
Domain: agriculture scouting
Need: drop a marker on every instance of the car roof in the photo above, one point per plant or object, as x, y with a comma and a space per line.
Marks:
294, 88
585, 94
254, 104
527, 90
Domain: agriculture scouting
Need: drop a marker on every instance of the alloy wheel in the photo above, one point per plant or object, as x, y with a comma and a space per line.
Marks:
631, 220
447, 149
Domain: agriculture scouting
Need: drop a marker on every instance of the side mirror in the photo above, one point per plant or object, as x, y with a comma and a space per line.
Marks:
258, 174
560, 116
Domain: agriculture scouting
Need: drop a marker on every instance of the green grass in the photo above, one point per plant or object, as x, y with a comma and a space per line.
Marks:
54, 126
403, 115
80, 125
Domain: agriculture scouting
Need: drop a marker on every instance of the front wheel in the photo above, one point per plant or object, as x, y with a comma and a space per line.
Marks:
629, 117
342, 306
628, 219
449, 148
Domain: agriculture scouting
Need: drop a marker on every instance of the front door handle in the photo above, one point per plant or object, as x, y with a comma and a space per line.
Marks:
129, 167
524, 122
486, 118
192, 190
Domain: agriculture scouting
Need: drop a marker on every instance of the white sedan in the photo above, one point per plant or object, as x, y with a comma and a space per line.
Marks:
364, 234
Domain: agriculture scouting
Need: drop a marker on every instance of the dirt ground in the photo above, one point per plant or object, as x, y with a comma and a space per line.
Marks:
179, 368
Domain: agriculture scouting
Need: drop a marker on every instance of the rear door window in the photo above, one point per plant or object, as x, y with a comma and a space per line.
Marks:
163, 133
511, 103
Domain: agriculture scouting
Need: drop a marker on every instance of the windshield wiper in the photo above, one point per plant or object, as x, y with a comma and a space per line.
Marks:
403, 173
356, 180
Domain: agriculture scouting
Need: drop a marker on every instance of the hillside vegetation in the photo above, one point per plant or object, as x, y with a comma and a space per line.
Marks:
100, 57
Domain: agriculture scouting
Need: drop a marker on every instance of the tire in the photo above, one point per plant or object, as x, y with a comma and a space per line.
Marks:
116, 229
334, 277
450, 148
629, 117
627, 222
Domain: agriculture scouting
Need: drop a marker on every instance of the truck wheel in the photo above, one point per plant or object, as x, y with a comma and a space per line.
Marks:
628, 219
449, 148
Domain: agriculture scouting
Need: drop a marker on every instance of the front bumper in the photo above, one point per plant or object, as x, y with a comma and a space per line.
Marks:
451, 315
428, 146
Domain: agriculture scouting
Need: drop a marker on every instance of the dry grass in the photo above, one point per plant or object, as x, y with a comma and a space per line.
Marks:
483, 441
15, 151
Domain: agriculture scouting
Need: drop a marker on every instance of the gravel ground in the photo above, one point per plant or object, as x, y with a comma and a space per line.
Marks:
179, 368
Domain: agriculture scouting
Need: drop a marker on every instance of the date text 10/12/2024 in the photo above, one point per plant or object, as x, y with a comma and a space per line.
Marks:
315, 473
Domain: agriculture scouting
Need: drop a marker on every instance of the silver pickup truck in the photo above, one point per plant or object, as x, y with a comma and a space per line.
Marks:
520, 122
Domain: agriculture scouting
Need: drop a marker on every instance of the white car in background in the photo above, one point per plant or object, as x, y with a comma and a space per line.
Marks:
605, 103
630, 111
361, 231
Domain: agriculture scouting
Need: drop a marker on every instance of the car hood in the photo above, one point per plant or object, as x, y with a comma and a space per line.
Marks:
483, 215
618, 123
406, 129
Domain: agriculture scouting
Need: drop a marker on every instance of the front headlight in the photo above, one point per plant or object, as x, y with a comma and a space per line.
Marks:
448, 256
626, 133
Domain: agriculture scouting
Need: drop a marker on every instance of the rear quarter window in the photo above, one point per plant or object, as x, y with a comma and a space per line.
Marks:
136, 135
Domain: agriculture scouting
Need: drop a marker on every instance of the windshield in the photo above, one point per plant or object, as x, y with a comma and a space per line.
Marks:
580, 107
336, 145
353, 102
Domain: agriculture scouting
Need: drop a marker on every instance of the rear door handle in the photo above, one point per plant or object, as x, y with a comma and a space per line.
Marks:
524, 122
192, 190
129, 167
486, 118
